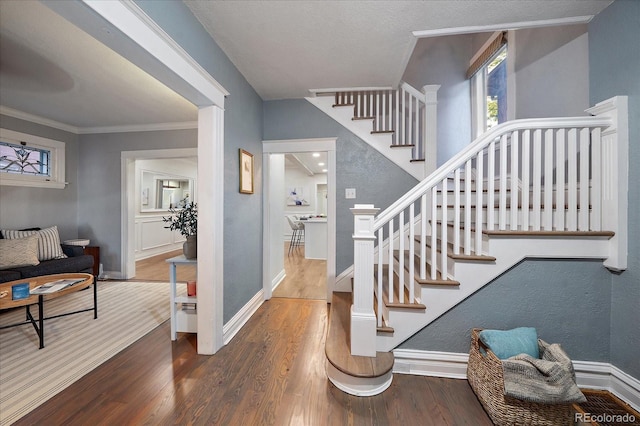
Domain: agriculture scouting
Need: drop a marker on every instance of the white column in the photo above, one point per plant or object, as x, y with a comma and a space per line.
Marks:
430, 137
210, 229
363, 319
615, 177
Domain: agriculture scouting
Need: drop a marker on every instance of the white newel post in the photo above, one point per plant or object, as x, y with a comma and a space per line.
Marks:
363, 318
430, 128
614, 155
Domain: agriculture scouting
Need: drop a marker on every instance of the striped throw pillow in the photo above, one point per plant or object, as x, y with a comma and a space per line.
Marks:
48, 242
19, 252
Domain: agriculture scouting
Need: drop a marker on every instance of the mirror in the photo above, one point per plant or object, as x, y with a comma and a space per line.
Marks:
162, 192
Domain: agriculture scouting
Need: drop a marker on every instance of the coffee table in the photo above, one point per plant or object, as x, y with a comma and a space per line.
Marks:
6, 301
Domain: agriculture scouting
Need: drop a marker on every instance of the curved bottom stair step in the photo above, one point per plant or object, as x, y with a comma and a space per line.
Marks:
356, 375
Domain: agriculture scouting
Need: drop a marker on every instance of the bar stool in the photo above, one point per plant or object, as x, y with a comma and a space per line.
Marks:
298, 232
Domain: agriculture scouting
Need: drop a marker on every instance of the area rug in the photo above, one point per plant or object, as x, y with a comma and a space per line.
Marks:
75, 344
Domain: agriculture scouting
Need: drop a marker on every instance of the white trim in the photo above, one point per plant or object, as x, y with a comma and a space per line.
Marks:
140, 128
427, 363
502, 27
10, 112
137, 25
57, 154
231, 328
343, 281
283, 146
37, 119
358, 386
349, 89
589, 374
278, 280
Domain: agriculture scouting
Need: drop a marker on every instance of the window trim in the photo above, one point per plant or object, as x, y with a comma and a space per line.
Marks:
57, 162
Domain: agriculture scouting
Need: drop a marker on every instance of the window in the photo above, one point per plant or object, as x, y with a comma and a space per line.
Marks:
488, 72
27, 160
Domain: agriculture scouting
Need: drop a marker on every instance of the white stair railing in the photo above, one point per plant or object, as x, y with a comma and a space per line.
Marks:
406, 113
555, 174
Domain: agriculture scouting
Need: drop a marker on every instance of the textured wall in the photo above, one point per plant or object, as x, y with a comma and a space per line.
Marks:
243, 129
567, 301
444, 61
22, 207
552, 71
99, 189
614, 69
377, 180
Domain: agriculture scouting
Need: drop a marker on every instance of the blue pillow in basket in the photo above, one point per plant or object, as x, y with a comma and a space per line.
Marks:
507, 343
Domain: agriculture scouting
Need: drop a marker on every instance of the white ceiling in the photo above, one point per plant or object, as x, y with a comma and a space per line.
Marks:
52, 69
307, 162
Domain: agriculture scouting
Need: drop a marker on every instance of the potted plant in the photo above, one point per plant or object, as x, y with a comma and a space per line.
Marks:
185, 220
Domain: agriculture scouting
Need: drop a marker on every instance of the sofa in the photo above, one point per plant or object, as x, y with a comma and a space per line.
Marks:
34, 252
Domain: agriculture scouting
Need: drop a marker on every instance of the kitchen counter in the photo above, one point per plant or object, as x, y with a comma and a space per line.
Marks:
315, 238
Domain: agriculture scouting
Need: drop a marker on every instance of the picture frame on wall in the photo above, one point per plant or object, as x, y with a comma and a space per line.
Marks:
246, 172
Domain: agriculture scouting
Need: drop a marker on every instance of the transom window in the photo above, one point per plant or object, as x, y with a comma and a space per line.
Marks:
28, 160
25, 160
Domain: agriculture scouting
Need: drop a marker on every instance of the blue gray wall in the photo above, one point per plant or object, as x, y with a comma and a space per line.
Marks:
444, 61
100, 186
377, 180
22, 207
614, 69
243, 129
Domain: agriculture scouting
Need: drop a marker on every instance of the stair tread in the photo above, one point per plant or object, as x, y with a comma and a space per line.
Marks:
363, 118
427, 281
338, 343
409, 145
540, 233
460, 256
375, 132
341, 105
414, 160
396, 285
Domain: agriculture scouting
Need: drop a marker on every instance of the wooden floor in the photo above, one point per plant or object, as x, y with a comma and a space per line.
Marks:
271, 373
305, 278
157, 269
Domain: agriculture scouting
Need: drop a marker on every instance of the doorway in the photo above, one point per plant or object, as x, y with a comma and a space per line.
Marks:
132, 202
274, 252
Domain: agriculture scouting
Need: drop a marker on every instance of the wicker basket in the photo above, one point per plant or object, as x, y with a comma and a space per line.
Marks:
487, 381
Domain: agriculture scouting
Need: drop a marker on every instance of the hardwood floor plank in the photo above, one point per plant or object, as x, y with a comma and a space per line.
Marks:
305, 278
271, 373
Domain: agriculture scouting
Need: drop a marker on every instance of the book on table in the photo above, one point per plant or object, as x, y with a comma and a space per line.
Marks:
53, 286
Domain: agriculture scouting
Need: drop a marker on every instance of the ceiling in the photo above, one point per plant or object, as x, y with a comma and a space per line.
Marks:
54, 70
307, 162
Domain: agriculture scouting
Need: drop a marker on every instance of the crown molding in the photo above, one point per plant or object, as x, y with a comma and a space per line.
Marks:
140, 128
573, 20
37, 119
91, 130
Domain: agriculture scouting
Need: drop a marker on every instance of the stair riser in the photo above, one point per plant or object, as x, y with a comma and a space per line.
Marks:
556, 215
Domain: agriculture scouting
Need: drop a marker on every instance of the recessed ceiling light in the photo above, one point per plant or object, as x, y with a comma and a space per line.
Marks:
324, 170
316, 154
320, 164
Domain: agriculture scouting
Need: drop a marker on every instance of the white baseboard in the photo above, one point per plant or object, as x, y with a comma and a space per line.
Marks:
231, 328
589, 374
343, 281
427, 363
278, 280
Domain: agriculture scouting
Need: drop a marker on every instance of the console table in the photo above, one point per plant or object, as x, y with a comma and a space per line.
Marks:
183, 308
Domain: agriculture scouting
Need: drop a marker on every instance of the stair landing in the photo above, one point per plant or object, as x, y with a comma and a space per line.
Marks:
357, 375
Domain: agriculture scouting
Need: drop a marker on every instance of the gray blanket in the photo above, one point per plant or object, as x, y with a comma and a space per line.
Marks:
549, 380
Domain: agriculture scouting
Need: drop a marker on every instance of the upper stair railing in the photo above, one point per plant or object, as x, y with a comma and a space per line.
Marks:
555, 174
408, 114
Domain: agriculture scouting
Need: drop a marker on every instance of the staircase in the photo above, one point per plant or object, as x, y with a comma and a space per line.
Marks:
527, 188
399, 123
